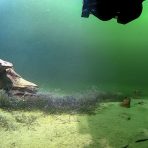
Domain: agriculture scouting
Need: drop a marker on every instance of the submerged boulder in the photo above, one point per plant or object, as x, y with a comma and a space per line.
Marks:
12, 82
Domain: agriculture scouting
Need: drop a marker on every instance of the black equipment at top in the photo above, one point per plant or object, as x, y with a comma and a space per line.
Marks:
124, 11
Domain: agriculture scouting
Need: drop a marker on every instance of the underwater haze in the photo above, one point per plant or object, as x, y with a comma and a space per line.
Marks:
50, 44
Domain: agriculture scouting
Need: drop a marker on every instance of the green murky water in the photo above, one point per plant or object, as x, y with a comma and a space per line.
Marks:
50, 44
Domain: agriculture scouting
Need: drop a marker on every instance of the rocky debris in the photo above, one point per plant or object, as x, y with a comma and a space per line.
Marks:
5, 64
126, 102
12, 82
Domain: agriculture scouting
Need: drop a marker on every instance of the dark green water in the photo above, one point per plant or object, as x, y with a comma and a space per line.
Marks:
50, 44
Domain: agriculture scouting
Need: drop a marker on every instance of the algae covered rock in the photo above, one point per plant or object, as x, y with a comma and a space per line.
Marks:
12, 82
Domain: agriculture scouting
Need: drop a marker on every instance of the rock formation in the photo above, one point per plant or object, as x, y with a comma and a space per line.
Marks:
12, 82
126, 102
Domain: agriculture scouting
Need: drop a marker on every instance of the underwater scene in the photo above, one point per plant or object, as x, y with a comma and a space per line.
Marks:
71, 82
